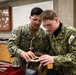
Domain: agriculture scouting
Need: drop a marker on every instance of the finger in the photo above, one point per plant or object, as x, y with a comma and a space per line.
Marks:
42, 58
27, 57
46, 63
31, 54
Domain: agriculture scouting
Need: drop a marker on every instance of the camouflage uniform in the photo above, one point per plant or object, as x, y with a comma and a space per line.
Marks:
20, 41
64, 51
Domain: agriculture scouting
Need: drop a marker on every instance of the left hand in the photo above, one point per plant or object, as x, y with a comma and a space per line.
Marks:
46, 59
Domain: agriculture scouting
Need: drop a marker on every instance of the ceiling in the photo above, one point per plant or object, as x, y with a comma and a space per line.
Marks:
3, 0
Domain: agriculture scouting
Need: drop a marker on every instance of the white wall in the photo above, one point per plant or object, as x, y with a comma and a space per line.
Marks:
21, 13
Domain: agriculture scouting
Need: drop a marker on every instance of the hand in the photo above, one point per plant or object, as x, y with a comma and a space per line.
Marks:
46, 59
28, 55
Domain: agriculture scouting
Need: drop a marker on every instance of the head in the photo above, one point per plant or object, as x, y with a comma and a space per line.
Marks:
35, 17
50, 20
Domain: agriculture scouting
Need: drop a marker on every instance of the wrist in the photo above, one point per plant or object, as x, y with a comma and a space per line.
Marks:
22, 53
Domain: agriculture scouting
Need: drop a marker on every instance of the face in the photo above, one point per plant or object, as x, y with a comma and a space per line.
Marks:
35, 21
50, 25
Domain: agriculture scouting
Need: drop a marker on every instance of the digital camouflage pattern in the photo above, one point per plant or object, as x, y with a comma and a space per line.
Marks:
64, 51
20, 41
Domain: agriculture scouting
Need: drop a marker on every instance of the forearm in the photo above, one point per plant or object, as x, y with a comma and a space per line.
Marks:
14, 50
69, 58
14, 42
13, 47
64, 60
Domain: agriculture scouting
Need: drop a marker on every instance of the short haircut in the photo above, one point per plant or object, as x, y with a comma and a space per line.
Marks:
48, 15
36, 11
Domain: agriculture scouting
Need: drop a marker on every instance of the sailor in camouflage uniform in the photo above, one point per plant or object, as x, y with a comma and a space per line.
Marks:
63, 43
26, 40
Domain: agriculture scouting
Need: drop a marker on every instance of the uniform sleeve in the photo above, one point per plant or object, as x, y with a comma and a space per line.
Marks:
14, 42
47, 46
69, 59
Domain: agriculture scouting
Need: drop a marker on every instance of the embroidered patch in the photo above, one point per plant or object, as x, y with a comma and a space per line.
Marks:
72, 37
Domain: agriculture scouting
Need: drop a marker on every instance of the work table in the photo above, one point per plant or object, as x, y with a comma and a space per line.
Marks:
4, 53
3, 40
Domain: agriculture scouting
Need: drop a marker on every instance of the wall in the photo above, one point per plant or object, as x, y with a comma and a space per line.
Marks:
65, 11
20, 13
75, 13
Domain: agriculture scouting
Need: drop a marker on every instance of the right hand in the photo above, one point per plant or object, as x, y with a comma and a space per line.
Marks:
28, 55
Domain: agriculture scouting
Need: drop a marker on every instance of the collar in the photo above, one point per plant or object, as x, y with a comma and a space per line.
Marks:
56, 32
59, 33
38, 34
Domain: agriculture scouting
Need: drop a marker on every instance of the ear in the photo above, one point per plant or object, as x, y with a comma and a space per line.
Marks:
56, 19
29, 17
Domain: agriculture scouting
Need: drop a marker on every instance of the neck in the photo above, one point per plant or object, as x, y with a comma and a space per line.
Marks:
33, 31
56, 32
58, 24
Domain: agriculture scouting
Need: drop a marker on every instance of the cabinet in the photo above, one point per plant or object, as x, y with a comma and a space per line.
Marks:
4, 53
